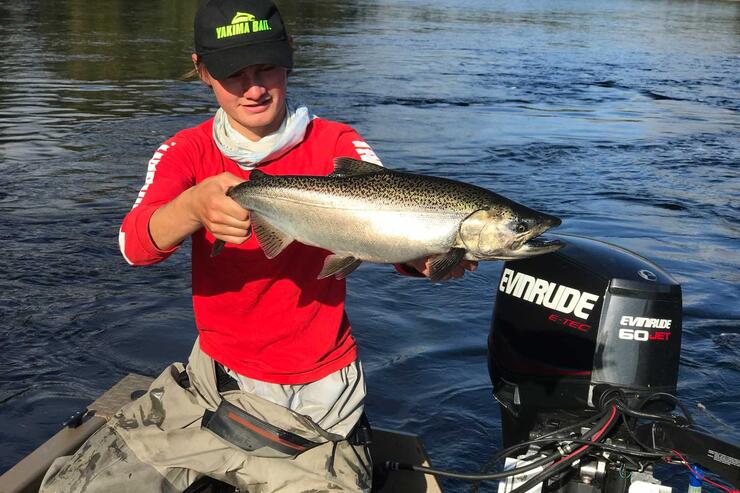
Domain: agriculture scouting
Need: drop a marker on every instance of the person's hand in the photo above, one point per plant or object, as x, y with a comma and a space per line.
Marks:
218, 213
423, 265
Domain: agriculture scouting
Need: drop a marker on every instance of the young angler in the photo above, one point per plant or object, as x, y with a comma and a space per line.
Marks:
272, 395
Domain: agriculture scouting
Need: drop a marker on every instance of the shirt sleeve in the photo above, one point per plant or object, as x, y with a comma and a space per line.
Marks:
169, 173
350, 144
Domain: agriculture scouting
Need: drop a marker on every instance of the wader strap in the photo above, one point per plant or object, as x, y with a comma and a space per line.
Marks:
224, 381
251, 434
362, 433
183, 380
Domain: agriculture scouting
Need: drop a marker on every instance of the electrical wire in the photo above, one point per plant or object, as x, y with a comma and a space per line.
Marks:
503, 474
593, 435
395, 466
614, 397
597, 432
703, 478
634, 436
643, 415
670, 418
631, 457
674, 400
596, 435
592, 439
622, 451
541, 440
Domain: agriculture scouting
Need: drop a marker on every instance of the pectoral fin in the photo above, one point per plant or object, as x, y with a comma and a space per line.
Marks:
219, 245
339, 266
443, 264
272, 240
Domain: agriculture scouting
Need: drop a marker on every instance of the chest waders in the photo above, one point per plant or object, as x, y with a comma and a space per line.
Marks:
254, 435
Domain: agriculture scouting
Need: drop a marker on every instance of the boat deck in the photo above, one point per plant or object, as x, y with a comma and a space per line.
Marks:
26, 476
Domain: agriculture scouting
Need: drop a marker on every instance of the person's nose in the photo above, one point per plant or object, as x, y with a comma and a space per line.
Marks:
253, 88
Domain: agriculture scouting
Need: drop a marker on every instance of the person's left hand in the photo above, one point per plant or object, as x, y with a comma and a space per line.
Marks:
423, 265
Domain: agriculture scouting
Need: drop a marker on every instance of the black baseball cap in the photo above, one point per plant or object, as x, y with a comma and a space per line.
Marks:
233, 34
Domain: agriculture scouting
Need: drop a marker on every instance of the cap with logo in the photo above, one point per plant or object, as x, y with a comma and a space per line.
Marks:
233, 34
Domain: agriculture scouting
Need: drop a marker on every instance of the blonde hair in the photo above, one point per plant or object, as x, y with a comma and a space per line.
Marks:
195, 72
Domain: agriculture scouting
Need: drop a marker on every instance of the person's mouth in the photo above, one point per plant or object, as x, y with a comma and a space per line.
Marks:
257, 106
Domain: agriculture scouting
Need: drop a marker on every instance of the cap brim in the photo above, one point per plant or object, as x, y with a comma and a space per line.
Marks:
224, 63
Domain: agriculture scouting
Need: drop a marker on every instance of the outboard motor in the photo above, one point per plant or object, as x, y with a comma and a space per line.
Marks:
583, 355
569, 325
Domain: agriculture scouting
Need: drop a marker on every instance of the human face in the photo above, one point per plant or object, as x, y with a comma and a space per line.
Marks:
253, 99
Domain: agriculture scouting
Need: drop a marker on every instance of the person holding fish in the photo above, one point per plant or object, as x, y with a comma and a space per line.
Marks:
272, 394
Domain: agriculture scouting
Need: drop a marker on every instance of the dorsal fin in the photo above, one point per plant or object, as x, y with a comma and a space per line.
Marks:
346, 166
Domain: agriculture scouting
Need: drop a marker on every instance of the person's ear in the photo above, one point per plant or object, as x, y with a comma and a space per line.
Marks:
200, 68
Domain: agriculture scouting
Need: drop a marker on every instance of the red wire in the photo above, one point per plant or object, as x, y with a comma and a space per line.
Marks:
595, 437
704, 478
683, 460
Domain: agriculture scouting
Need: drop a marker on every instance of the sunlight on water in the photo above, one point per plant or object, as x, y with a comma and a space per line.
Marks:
620, 117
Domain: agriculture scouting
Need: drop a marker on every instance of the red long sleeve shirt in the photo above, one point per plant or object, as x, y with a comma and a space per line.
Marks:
271, 320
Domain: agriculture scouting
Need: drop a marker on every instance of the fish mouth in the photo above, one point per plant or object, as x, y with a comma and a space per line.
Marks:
541, 243
532, 248
533, 243
537, 246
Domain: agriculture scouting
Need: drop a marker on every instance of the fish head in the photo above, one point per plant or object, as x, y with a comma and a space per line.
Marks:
507, 232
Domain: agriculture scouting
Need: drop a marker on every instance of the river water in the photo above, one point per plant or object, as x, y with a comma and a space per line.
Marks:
621, 117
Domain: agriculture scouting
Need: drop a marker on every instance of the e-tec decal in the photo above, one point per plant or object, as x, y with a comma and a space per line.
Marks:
548, 294
568, 322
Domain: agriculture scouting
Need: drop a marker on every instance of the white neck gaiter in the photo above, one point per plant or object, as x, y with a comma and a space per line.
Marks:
248, 154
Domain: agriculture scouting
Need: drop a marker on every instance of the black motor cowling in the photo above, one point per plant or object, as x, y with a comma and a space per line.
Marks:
568, 323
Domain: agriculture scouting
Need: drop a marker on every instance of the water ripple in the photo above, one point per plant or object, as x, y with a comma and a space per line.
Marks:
561, 108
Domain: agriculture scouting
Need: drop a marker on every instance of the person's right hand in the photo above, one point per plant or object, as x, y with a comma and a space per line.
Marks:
424, 266
218, 213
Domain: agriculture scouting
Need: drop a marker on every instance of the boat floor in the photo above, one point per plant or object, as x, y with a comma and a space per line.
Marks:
26, 476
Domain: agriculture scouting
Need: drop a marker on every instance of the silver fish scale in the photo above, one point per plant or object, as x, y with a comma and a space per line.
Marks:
385, 189
383, 217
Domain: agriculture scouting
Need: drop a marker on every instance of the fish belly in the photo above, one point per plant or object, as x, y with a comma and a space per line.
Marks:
382, 236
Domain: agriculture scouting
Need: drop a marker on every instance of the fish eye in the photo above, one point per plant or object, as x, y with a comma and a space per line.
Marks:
520, 227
